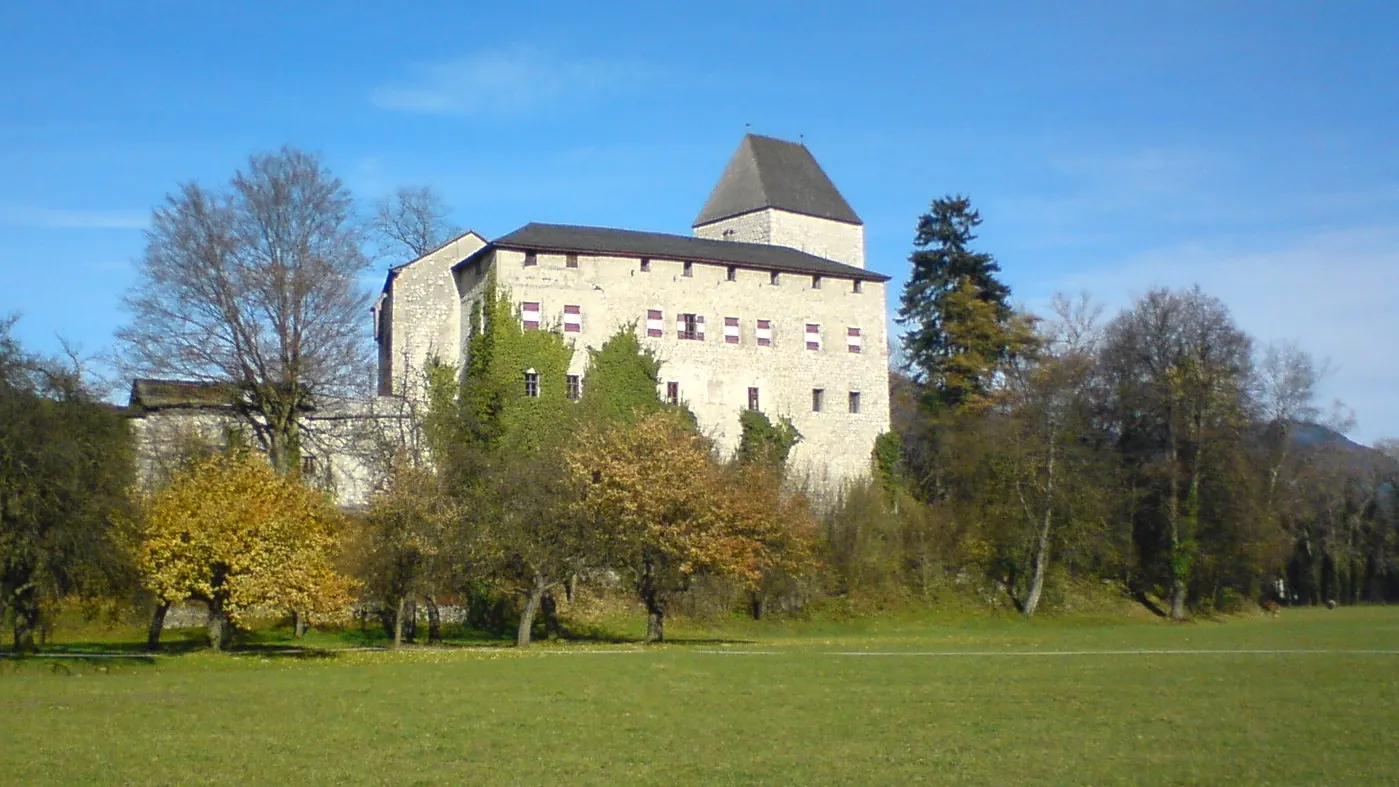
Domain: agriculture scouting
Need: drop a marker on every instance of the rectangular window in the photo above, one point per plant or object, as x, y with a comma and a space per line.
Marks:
733, 273
571, 260
655, 327
689, 326
308, 465
532, 384
731, 330
853, 341
817, 397
855, 286
572, 319
774, 278
645, 265
672, 392
531, 258
689, 269
854, 401
529, 315
813, 336
764, 333
753, 399
815, 282
575, 387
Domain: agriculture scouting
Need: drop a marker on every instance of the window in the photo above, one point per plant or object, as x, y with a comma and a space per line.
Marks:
774, 278
575, 387
752, 398
654, 325
813, 336
817, 397
815, 282
733, 273
572, 319
764, 333
571, 260
672, 392
855, 286
854, 401
532, 384
308, 465
645, 265
689, 269
531, 258
853, 341
529, 315
731, 330
690, 326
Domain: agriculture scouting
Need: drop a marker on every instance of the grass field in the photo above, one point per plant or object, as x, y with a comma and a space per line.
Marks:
1311, 697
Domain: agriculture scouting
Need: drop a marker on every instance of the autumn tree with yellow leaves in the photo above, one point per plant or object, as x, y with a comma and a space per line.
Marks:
667, 512
228, 531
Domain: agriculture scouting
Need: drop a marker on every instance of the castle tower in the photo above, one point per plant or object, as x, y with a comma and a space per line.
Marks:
774, 192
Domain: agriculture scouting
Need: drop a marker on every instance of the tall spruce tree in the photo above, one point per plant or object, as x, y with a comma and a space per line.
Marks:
951, 285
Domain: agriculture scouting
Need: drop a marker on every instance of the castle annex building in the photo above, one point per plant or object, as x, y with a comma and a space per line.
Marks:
767, 305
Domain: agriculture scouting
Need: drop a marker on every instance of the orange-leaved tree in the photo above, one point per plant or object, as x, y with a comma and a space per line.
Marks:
667, 512
230, 532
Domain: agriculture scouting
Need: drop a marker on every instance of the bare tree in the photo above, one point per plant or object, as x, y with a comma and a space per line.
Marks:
412, 220
255, 286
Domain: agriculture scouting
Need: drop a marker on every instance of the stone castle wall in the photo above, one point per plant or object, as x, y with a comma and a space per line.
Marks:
713, 375
421, 315
833, 240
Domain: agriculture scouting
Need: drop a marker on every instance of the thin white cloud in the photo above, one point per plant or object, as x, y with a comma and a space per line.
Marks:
46, 218
502, 82
1336, 293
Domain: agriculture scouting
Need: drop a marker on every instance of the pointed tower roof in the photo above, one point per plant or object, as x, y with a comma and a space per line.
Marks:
773, 173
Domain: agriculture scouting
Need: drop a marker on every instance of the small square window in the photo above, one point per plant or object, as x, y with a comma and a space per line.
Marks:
774, 278
689, 326
689, 269
575, 387
532, 384
531, 258
752, 398
733, 273
645, 265
672, 392
818, 396
855, 286
815, 282
854, 401
571, 261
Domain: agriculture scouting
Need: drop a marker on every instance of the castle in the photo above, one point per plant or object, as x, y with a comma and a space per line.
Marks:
768, 305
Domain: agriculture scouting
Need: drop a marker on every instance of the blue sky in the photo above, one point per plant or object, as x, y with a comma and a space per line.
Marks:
1250, 148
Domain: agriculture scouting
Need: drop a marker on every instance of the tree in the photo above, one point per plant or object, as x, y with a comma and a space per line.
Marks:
407, 534
232, 533
954, 305
668, 513
622, 378
765, 444
256, 285
412, 221
1180, 369
65, 467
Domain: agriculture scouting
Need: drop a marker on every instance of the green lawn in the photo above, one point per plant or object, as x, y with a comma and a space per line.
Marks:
758, 703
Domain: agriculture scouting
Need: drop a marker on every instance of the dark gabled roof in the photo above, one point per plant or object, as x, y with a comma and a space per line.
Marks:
630, 243
774, 173
148, 394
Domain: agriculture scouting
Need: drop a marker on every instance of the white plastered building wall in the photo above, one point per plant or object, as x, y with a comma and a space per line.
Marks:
834, 240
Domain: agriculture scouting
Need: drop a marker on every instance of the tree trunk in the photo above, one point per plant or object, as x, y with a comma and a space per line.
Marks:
1041, 560
298, 624
398, 624
655, 605
757, 604
570, 588
434, 620
1173, 521
26, 620
217, 627
536, 594
157, 626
